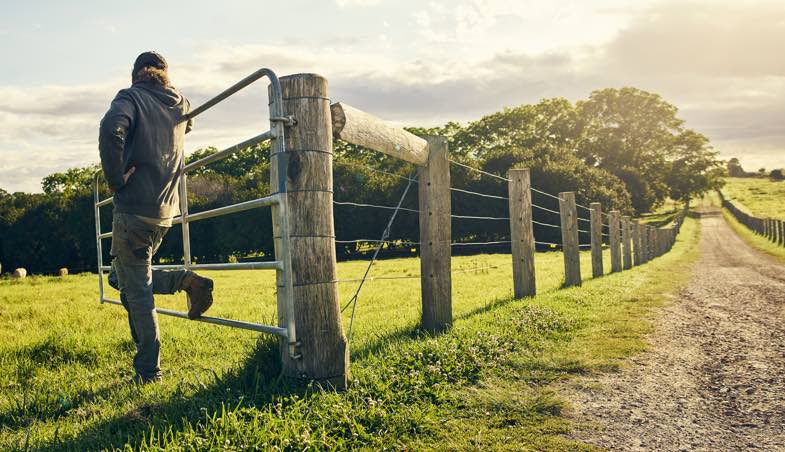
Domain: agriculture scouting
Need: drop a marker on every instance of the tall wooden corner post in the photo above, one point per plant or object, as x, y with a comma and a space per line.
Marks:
569, 236
435, 237
595, 218
323, 352
521, 233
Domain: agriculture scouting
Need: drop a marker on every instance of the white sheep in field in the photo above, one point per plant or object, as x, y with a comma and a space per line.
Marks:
20, 273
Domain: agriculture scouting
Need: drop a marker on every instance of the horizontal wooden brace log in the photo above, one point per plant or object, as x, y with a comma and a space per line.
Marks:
358, 127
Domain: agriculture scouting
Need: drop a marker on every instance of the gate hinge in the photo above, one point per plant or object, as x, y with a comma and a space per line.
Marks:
287, 121
294, 352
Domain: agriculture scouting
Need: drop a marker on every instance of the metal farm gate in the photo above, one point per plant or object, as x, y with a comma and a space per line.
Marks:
278, 201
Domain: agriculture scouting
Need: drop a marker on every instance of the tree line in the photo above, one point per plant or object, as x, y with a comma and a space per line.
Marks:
736, 170
625, 148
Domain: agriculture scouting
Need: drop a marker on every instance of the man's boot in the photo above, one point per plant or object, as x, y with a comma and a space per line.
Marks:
199, 293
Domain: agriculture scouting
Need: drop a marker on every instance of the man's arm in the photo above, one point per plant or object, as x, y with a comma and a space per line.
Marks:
111, 140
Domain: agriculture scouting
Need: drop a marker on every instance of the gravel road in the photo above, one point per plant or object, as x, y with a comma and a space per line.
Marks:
714, 378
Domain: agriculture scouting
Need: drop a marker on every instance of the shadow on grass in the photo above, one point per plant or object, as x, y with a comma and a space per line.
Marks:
257, 382
413, 332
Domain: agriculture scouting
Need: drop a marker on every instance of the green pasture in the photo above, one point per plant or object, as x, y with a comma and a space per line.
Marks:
491, 382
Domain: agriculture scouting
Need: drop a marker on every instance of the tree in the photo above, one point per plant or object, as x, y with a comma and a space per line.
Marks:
693, 167
70, 182
551, 122
629, 132
777, 174
735, 169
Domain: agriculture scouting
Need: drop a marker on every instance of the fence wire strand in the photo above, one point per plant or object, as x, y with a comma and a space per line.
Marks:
460, 190
479, 171
545, 193
546, 209
375, 206
499, 242
376, 170
395, 242
470, 217
546, 224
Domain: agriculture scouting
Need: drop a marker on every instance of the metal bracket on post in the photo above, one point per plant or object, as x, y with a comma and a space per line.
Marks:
287, 120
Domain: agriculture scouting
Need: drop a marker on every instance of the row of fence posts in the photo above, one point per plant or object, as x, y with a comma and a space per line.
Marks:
325, 350
630, 242
770, 228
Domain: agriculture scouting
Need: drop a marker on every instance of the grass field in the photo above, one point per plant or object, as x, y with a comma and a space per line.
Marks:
488, 383
760, 197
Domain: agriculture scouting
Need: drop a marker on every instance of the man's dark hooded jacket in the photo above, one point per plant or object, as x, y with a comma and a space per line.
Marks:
145, 128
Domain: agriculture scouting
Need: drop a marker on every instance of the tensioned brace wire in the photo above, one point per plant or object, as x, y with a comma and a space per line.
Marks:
385, 236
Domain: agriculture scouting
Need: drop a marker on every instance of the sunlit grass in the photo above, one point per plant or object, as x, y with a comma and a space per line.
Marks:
64, 358
760, 197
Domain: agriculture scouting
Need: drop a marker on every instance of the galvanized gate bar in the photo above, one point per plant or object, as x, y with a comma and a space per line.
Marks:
258, 265
264, 72
282, 264
216, 320
239, 207
229, 151
105, 202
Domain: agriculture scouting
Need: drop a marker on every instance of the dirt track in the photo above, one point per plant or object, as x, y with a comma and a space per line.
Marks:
714, 378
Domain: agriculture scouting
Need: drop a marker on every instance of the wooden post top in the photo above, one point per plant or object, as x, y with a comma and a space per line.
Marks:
363, 129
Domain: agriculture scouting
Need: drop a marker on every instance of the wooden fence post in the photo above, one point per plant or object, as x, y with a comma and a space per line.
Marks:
626, 239
435, 237
644, 243
636, 242
596, 239
782, 232
521, 233
650, 241
615, 240
323, 349
569, 237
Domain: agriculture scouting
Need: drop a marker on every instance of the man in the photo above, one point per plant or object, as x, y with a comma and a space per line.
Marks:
141, 146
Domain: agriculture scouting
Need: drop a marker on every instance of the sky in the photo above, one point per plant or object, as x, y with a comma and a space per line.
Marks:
411, 62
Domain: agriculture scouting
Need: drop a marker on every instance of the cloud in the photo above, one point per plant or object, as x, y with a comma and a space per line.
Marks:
719, 64
701, 38
350, 3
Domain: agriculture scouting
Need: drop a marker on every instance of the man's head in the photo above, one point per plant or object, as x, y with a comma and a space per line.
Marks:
150, 67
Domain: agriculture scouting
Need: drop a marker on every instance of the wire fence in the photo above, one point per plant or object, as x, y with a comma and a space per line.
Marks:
547, 226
